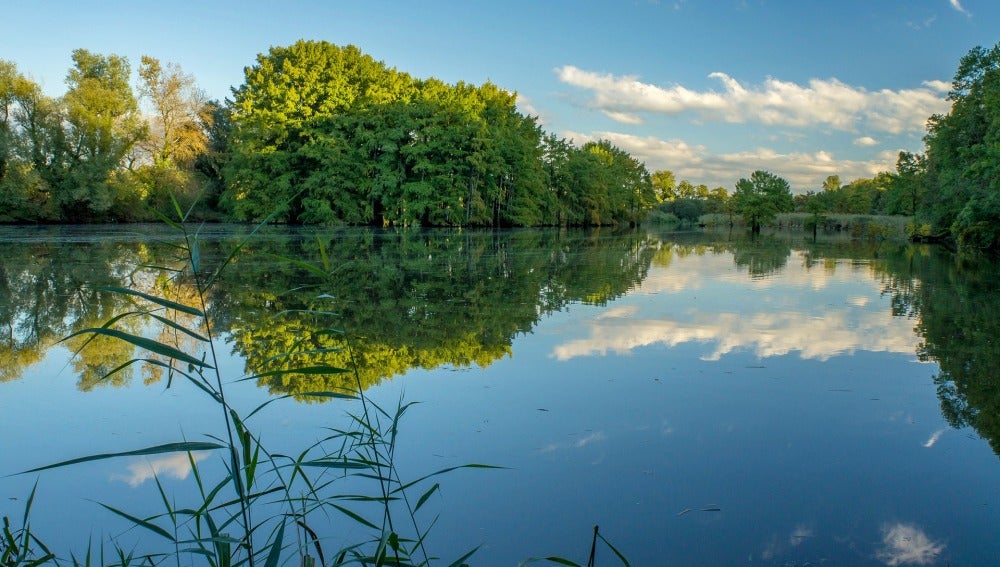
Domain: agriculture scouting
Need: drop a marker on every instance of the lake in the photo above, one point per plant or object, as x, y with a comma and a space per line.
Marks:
706, 399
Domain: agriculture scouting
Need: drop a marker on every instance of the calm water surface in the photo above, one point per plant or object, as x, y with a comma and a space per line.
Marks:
705, 399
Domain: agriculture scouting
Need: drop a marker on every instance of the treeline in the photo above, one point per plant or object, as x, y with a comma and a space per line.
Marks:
952, 190
888, 193
316, 134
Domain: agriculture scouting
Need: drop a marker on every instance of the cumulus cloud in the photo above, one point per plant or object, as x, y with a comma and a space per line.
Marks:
957, 5
854, 324
821, 102
525, 105
802, 170
939, 86
176, 466
905, 544
865, 141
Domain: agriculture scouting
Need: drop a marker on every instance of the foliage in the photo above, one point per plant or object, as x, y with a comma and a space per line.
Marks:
954, 299
963, 148
340, 137
759, 199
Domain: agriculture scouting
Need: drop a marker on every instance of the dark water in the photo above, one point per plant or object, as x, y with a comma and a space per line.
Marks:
705, 399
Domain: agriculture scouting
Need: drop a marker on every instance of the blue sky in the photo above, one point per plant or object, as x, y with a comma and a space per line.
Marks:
711, 90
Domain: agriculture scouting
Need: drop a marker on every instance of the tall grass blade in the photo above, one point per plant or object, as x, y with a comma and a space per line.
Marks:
144, 343
187, 446
141, 523
443, 471
615, 550
245, 241
423, 498
178, 327
275, 554
153, 299
356, 517
460, 562
309, 370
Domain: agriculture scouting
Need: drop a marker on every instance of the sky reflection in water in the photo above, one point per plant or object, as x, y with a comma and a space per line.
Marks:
716, 414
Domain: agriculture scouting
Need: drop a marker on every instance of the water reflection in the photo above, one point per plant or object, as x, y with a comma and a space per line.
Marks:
421, 300
906, 544
177, 466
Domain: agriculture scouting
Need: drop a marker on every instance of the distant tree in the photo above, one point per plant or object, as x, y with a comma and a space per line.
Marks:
664, 184
176, 136
759, 199
718, 200
908, 185
685, 190
103, 124
687, 210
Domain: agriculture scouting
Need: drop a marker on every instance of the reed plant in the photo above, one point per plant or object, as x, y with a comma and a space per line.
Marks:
268, 508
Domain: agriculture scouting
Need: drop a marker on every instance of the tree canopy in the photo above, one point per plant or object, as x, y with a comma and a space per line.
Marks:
759, 199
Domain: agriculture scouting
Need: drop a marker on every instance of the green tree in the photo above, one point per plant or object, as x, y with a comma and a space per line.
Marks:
759, 199
103, 124
908, 185
664, 184
284, 99
963, 150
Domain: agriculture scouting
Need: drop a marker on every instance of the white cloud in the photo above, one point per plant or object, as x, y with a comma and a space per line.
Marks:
904, 544
526, 107
855, 325
623, 117
865, 141
822, 102
176, 466
957, 5
803, 170
939, 86
934, 438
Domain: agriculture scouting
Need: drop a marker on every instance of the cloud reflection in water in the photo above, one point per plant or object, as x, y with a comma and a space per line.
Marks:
905, 544
176, 466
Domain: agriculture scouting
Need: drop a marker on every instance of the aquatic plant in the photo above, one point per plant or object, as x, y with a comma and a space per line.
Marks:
246, 517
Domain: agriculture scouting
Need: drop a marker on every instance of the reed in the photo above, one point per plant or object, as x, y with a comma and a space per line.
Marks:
268, 508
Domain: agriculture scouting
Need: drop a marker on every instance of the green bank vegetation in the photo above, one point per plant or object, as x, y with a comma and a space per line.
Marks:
327, 135
263, 507
317, 134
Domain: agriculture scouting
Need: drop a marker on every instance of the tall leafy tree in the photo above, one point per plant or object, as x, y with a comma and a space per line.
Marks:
760, 198
103, 124
285, 94
176, 134
664, 184
963, 150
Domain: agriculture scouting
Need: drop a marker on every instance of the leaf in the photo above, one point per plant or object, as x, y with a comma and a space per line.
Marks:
154, 299
155, 450
340, 464
144, 343
275, 554
179, 327
332, 395
461, 560
356, 517
442, 471
615, 549
310, 370
142, 523
425, 496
